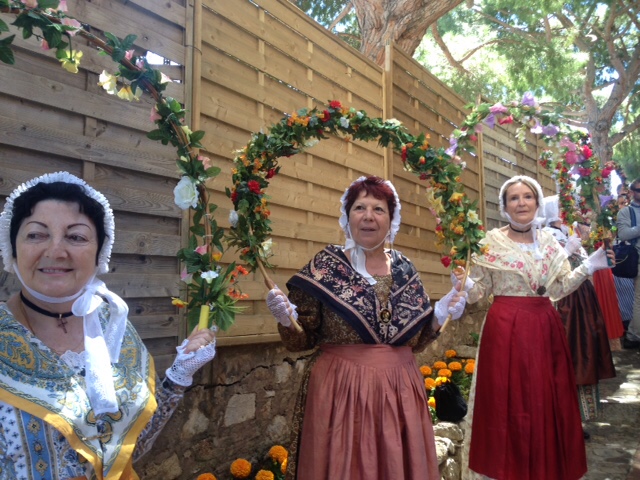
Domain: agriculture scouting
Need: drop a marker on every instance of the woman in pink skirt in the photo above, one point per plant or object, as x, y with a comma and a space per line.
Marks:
362, 408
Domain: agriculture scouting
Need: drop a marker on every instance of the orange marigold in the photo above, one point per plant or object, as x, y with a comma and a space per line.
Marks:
455, 366
450, 353
240, 468
432, 402
206, 476
283, 467
439, 365
444, 372
278, 453
425, 370
429, 383
469, 368
264, 475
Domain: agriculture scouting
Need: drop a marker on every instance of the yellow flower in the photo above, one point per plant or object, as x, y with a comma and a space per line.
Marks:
439, 365
425, 370
206, 476
264, 475
217, 256
178, 303
456, 197
278, 453
240, 468
455, 366
432, 402
126, 93
108, 82
484, 249
469, 368
444, 372
441, 380
458, 230
70, 63
450, 353
429, 383
283, 467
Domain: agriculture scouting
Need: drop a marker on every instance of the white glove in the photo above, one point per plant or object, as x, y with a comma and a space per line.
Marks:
186, 364
442, 309
598, 260
468, 284
280, 306
573, 244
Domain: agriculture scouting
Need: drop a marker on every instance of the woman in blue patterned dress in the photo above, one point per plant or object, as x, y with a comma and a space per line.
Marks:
79, 397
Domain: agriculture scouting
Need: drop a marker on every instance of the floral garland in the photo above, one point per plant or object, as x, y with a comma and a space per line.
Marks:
459, 228
209, 285
570, 155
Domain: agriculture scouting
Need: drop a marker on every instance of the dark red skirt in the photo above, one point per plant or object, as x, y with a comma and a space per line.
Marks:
526, 419
587, 335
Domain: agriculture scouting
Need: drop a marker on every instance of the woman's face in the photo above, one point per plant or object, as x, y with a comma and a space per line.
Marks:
56, 249
521, 203
369, 220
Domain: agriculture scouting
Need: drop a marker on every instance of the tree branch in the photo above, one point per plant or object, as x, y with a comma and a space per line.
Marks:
345, 11
445, 50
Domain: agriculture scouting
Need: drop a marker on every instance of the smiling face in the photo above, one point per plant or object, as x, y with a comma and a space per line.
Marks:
369, 220
521, 203
56, 249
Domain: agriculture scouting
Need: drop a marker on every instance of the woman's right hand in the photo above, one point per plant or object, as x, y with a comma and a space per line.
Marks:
280, 306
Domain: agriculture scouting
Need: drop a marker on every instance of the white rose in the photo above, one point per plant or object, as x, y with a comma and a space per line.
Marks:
186, 194
233, 218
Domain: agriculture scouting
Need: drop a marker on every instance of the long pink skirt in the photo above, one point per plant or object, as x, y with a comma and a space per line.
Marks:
366, 417
526, 419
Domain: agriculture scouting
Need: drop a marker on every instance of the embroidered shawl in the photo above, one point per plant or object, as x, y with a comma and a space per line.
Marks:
330, 278
37, 382
508, 270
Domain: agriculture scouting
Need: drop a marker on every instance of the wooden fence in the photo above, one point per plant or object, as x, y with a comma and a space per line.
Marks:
239, 67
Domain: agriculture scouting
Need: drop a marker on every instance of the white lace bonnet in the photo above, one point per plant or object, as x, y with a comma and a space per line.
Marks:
102, 347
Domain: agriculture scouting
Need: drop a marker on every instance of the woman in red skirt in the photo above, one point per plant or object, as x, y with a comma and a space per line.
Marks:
526, 421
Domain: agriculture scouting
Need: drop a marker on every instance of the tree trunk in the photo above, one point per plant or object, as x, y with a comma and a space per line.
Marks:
402, 22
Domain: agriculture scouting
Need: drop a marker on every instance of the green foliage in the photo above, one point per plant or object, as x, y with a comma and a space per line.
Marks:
627, 155
326, 11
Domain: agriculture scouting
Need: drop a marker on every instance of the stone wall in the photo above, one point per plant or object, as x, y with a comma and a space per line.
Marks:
242, 405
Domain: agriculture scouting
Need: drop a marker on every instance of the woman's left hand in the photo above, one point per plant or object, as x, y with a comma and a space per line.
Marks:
198, 339
194, 352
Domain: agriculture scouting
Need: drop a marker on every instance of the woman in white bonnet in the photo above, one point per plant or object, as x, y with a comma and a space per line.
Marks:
526, 422
362, 409
583, 321
79, 395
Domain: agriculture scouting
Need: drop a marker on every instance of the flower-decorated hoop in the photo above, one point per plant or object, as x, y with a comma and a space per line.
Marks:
459, 228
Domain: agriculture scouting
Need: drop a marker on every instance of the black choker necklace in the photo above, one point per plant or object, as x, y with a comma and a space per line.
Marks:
60, 316
519, 231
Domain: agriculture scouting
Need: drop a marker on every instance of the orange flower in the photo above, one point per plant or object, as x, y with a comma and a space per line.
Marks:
450, 353
283, 467
439, 365
264, 475
278, 453
469, 368
455, 366
429, 383
432, 402
178, 303
206, 476
241, 270
444, 372
425, 370
240, 468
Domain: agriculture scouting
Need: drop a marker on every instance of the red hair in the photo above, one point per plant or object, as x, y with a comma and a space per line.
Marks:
375, 187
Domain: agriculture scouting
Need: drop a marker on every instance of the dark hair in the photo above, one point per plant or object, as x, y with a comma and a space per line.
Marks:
635, 184
374, 186
65, 192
